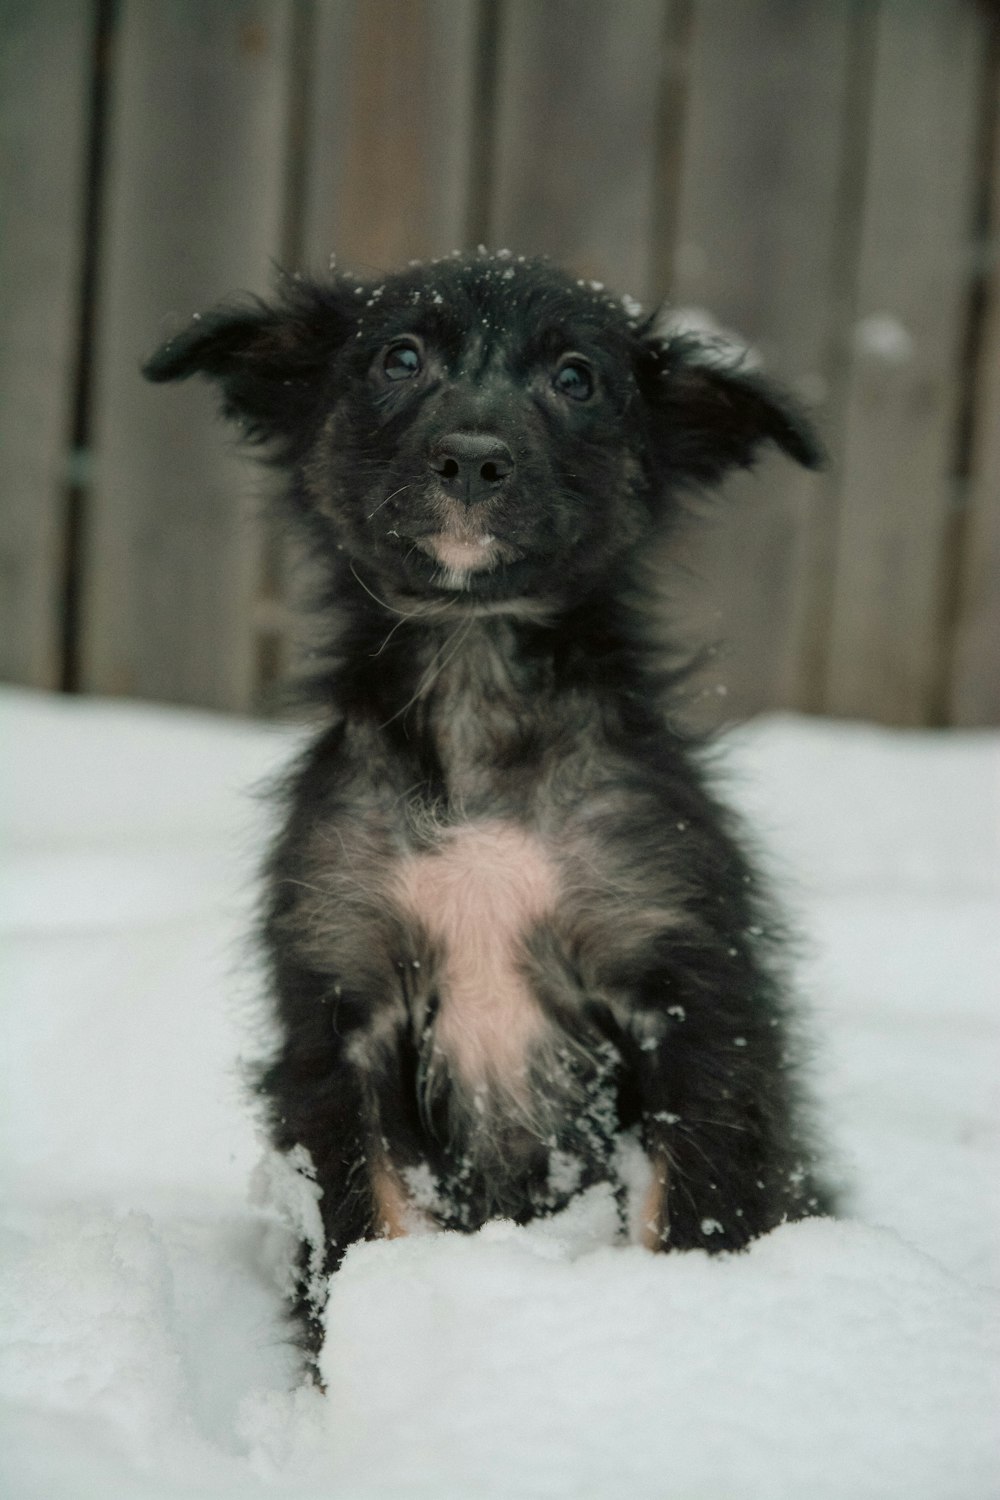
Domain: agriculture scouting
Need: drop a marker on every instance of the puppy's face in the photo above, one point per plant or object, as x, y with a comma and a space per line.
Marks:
488, 428
483, 434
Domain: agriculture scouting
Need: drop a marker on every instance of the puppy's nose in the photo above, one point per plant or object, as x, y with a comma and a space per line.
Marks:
471, 465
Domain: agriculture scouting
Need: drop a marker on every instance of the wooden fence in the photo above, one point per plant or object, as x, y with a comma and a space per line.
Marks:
823, 175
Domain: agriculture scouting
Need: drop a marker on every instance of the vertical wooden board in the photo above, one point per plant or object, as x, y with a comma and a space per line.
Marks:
757, 224
390, 131
46, 55
385, 140
575, 144
914, 266
974, 687
194, 210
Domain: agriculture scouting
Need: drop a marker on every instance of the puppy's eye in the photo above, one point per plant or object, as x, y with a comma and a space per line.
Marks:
574, 378
402, 360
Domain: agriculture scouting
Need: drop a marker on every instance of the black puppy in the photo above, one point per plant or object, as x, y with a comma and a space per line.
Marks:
508, 926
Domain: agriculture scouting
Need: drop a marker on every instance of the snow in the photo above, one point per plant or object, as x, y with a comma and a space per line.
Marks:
885, 338
142, 1350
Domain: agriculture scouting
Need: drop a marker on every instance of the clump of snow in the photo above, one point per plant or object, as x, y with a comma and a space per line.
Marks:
286, 1185
143, 1351
635, 1171
424, 1195
885, 337
564, 1173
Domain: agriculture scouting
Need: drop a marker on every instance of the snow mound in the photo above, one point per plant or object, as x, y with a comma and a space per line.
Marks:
539, 1369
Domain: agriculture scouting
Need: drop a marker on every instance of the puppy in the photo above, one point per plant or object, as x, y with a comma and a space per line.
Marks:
507, 924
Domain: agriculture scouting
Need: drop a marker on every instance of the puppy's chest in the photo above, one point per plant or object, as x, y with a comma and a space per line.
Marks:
491, 913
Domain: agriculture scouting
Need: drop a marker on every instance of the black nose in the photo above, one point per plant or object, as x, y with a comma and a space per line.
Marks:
471, 465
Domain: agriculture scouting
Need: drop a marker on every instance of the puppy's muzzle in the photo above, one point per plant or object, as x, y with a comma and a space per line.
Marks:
471, 466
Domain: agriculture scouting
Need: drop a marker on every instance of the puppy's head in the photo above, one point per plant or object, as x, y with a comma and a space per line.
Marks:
486, 427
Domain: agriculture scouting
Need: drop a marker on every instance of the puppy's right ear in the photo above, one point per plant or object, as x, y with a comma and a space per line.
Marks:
711, 410
270, 360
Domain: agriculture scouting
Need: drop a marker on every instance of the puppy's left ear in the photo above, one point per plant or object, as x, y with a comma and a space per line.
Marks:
710, 411
271, 360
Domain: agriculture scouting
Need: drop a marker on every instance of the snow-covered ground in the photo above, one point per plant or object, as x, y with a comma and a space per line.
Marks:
141, 1343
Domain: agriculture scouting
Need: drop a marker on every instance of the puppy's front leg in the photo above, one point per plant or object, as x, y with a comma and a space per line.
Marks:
642, 1046
715, 1122
391, 1068
341, 1097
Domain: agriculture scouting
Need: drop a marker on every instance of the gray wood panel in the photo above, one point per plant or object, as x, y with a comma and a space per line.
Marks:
768, 128
384, 142
575, 144
194, 210
897, 479
974, 688
46, 55
390, 131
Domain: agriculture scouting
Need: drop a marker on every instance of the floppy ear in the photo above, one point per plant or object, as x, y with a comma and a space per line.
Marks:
269, 359
710, 411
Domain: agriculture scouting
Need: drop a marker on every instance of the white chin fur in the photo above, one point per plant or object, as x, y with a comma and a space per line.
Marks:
459, 558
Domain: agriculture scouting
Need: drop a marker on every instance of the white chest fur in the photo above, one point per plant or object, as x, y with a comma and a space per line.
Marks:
477, 896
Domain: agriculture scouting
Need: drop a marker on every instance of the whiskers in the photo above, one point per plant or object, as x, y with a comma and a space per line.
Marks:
429, 609
443, 656
392, 496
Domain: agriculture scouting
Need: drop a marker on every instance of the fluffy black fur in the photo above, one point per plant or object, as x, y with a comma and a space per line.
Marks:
482, 453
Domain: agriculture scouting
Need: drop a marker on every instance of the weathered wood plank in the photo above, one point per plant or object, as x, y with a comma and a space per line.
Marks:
575, 144
46, 56
383, 159
770, 88
974, 686
914, 266
389, 132
194, 210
